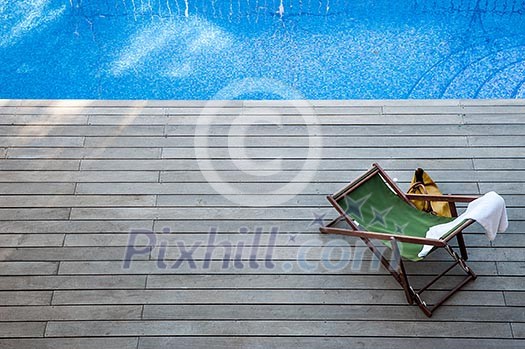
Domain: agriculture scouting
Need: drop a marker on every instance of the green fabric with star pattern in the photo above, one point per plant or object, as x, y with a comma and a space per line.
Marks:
378, 209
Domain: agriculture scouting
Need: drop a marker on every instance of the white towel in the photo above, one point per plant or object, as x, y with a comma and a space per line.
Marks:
489, 211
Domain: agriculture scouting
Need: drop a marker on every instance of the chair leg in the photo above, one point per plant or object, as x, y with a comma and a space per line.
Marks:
400, 267
451, 292
461, 261
386, 264
428, 311
397, 269
462, 247
415, 296
398, 272
458, 261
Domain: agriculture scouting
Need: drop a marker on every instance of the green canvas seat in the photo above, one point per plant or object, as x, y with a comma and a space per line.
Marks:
376, 209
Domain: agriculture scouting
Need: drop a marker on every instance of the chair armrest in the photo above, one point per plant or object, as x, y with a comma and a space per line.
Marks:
447, 198
459, 230
383, 236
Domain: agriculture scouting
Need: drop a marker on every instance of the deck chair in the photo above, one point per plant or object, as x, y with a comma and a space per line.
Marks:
374, 208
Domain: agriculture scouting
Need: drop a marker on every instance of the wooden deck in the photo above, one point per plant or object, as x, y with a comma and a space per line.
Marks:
77, 176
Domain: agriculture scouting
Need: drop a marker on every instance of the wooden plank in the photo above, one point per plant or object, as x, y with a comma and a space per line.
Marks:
295, 153
219, 107
253, 187
60, 313
248, 188
308, 237
41, 119
422, 109
326, 176
126, 119
499, 164
218, 200
518, 330
71, 227
41, 141
78, 130
341, 253
239, 342
9, 104
86, 153
233, 226
115, 297
176, 213
328, 313
76, 200
24, 329
308, 107
39, 165
516, 226
496, 141
79, 176
141, 267
307, 224
298, 141
510, 240
33, 213
308, 200
511, 267
345, 130
26, 240
494, 109
65, 253
285, 164
25, 298
69, 343
515, 117
515, 299
353, 102
37, 188
293, 116
27, 268
283, 281
503, 188
289, 328
513, 200
316, 251
59, 282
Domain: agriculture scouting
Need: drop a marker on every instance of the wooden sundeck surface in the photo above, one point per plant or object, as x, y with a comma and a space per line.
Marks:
77, 176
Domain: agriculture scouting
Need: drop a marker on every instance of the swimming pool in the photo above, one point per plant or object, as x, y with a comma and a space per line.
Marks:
257, 49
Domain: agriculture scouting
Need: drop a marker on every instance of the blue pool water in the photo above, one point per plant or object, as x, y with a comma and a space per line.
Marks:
256, 49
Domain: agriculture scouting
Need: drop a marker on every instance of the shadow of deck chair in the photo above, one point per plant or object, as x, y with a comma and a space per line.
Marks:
375, 208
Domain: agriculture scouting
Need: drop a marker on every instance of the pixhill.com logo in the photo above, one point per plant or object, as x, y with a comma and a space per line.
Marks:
261, 249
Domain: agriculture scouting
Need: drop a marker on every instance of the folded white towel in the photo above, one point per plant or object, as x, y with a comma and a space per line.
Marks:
489, 211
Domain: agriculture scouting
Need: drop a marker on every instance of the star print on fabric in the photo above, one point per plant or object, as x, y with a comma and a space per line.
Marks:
379, 216
400, 229
291, 238
318, 219
353, 207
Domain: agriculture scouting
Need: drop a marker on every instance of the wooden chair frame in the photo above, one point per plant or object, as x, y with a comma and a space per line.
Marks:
395, 266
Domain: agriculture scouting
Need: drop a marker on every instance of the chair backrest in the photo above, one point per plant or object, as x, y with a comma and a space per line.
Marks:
377, 204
